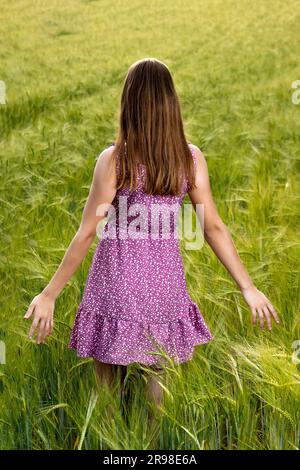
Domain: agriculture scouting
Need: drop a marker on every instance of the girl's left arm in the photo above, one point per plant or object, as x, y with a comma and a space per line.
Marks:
218, 237
101, 194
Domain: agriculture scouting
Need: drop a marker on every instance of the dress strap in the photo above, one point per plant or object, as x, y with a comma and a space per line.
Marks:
193, 155
117, 162
194, 160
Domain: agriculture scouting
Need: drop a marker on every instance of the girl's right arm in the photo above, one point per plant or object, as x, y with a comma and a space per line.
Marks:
101, 194
219, 238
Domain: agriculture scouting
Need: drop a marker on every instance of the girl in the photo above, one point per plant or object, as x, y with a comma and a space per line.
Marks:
135, 306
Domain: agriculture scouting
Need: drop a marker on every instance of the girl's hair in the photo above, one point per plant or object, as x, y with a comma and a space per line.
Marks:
151, 131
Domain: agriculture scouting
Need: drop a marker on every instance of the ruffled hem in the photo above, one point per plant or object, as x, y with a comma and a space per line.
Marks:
119, 341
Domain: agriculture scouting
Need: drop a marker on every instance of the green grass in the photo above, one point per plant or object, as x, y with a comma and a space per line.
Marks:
233, 63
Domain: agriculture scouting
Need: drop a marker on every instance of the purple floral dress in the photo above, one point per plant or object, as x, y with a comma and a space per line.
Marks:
135, 306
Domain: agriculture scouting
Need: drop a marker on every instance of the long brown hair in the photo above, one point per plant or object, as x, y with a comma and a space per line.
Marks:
151, 131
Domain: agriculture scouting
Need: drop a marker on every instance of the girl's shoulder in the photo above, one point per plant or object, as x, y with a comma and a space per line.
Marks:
107, 152
199, 160
193, 148
105, 160
196, 153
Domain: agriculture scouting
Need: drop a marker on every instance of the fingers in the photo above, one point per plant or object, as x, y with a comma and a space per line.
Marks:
261, 307
29, 311
261, 317
264, 314
44, 328
273, 312
254, 315
48, 328
33, 327
264, 317
41, 332
51, 326
42, 324
267, 317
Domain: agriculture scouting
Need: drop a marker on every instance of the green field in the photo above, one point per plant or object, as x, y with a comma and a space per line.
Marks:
233, 62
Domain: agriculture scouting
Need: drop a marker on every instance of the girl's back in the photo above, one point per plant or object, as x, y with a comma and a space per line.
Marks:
135, 301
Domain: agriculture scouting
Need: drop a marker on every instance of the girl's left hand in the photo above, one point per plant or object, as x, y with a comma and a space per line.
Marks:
260, 306
42, 308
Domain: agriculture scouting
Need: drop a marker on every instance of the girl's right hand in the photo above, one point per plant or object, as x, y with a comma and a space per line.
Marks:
43, 308
260, 307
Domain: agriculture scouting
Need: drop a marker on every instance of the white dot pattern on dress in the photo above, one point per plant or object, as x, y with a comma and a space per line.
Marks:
135, 306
